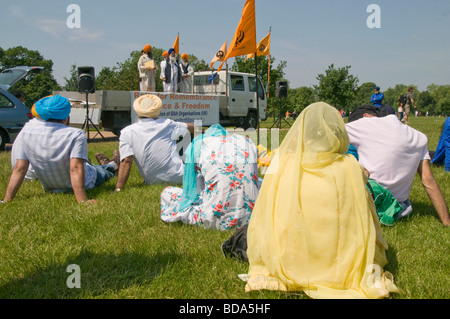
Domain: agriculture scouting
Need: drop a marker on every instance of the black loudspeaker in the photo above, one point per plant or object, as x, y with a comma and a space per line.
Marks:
282, 87
86, 79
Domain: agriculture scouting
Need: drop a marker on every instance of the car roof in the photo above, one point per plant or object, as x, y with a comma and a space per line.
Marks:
11, 76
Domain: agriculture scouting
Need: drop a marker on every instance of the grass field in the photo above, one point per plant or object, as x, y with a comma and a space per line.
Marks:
124, 250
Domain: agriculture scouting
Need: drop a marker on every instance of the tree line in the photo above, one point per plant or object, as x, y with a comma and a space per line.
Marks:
340, 88
336, 86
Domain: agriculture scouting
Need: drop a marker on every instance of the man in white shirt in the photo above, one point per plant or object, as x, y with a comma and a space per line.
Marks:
147, 73
186, 74
170, 72
393, 153
57, 153
151, 142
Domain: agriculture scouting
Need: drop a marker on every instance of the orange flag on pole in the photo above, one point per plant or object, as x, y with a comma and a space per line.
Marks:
220, 55
244, 40
262, 48
176, 44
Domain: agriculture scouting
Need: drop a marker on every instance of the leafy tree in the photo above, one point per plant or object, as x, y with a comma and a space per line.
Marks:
364, 93
37, 86
198, 65
72, 82
124, 76
391, 95
441, 94
300, 98
337, 87
443, 107
426, 102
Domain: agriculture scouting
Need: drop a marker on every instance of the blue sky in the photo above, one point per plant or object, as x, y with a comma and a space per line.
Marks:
411, 47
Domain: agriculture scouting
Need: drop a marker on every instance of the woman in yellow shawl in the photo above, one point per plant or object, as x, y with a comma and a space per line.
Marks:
314, 227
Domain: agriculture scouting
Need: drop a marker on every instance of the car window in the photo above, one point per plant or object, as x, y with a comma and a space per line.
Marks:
10, 76
252, 86
5, 102
237, 83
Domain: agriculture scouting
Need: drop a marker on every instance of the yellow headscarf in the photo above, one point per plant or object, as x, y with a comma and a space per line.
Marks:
314, 227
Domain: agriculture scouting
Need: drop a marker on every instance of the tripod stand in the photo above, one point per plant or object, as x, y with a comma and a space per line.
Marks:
277, 122
87, 120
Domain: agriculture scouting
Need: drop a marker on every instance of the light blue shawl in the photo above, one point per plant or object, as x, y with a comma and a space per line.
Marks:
192, 153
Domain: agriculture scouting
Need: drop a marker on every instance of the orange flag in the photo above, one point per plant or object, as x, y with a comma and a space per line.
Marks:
244, 40
262, 48
220, 55
176, 44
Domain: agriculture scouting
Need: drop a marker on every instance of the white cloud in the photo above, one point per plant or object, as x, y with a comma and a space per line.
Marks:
82, 35
53, 27
57, 28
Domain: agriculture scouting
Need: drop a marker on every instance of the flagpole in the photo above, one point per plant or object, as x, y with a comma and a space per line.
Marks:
268, 71
226, 79
257, 98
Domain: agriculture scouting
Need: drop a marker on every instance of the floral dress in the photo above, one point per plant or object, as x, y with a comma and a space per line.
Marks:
227, 186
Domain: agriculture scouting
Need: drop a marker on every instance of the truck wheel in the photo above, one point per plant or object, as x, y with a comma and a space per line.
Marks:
251, 121
241, 122
2, 140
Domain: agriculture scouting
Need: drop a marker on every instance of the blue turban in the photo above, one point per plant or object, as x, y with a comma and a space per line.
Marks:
54, 107
171, 50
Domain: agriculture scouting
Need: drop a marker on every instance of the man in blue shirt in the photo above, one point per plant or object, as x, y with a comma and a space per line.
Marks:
377, 97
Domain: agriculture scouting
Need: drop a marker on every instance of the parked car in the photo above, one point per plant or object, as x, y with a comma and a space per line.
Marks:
13, 113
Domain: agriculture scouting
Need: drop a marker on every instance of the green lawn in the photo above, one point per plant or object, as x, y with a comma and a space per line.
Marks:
124, 250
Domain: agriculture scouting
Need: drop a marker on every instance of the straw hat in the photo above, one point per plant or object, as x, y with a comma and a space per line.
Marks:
148, 105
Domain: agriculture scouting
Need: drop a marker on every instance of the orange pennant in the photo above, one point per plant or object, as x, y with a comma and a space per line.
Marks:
220, 55
176, 44
244, 40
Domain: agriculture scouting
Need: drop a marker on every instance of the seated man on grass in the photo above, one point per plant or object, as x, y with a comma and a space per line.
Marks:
58, 153
151, 142
393, 153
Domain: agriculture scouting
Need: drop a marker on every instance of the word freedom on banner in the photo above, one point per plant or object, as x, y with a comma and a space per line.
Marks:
184, 107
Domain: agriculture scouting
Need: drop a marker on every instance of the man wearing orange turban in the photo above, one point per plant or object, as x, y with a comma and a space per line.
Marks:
147, 70
187, 71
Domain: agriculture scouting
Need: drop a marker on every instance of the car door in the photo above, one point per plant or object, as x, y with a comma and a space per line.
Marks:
13, 114
261, 94
238, 96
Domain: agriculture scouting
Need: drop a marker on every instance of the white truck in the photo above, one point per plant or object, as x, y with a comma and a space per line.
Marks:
232, 96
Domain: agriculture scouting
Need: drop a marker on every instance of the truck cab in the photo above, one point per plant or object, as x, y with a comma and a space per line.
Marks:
237, 96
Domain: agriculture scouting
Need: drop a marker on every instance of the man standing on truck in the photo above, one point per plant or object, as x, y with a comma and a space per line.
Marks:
147, 70
186, 74
170, 73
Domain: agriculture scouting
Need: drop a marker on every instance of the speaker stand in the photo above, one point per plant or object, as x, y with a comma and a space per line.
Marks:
87, 120
277, 122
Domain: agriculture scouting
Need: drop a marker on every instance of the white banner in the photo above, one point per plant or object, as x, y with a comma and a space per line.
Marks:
183, 107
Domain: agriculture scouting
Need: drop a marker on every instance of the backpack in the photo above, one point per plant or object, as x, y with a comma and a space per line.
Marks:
402, 99
236, 245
